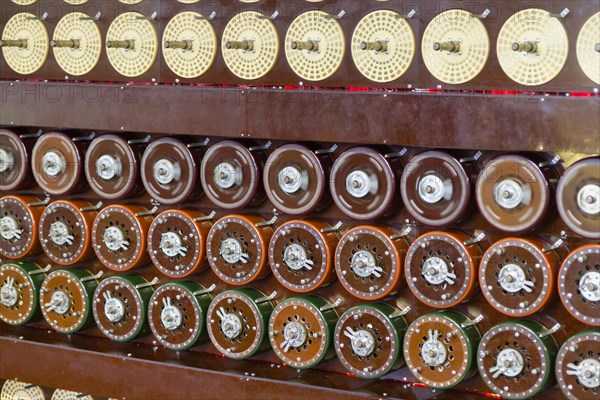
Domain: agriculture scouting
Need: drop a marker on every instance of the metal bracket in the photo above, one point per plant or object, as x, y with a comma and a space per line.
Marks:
95, 207
40, 203
203, 143
331, 306
271, 17
152, 17
266, 223
339, 15
266, 298
90, 137
397, 154
263, 147
210, 17
94, 18
32, 135
42, 18
554, 329
147, 284
548, 163
333, 228
559, 242
480, 236
145, 213
403, 233
206, 217
330, 150
562, 14
205, 291
472, 158
140, 141
91, 278
410, 14
472, 322
400, 312
484, 14
41, 271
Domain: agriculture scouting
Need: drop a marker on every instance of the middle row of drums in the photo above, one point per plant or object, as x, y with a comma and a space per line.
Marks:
455, 47
514, 192
442, 349
518, 276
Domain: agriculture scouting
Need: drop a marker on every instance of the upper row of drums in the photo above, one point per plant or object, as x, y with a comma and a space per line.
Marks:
514, 192
532, 46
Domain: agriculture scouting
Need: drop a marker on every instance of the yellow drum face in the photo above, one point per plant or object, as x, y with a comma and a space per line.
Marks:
532, 47
189, 45
455, 46
588, 48
77, 44
383, 46
315, 45
138, 47
29, 43
250, 45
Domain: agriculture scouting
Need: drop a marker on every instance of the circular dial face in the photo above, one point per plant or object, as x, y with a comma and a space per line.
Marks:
19, 292
578, 197
368, 340
112, 167
588, 49
189, 44
120, 307
19, 226
513, 193
455, 46
436, 188
383, 46
300, 333
295, 179
301, 256
176, 242
119, 237
77, 43
61, 394
15, 173
578, 366
177, 313
368, 263
514, 361
516, 277
237, 249
21, 390
532, 47
579, 284
169, 171
363, 183
56, 164
231, 175
25, 43
65, 231
132, 44
65, 299
250, 45
315, 45
439, 349
237, 322
441, 270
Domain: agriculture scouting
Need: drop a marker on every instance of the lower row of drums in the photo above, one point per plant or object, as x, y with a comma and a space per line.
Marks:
515, 193
516, 359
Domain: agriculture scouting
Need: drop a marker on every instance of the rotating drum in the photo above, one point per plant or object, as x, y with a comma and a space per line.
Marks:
513, 193
25, 43
237, 322
61, 394
15, 163
369, 261
57, 164
516, 359
315, 45
12, 389
66, 299
301, 254
301, 331
65, 231
19, 221
578, 366
588, 48
120, 307
295, 179
368, 340
177, 242
231, 175
578, 197
77, 43
170, 171
518, 276
177, 314
236, 248
441, 268
436, 188
440, 349
532, 47
363, 183
20, 284
119, 237
112, 167
455, 46
579, 284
